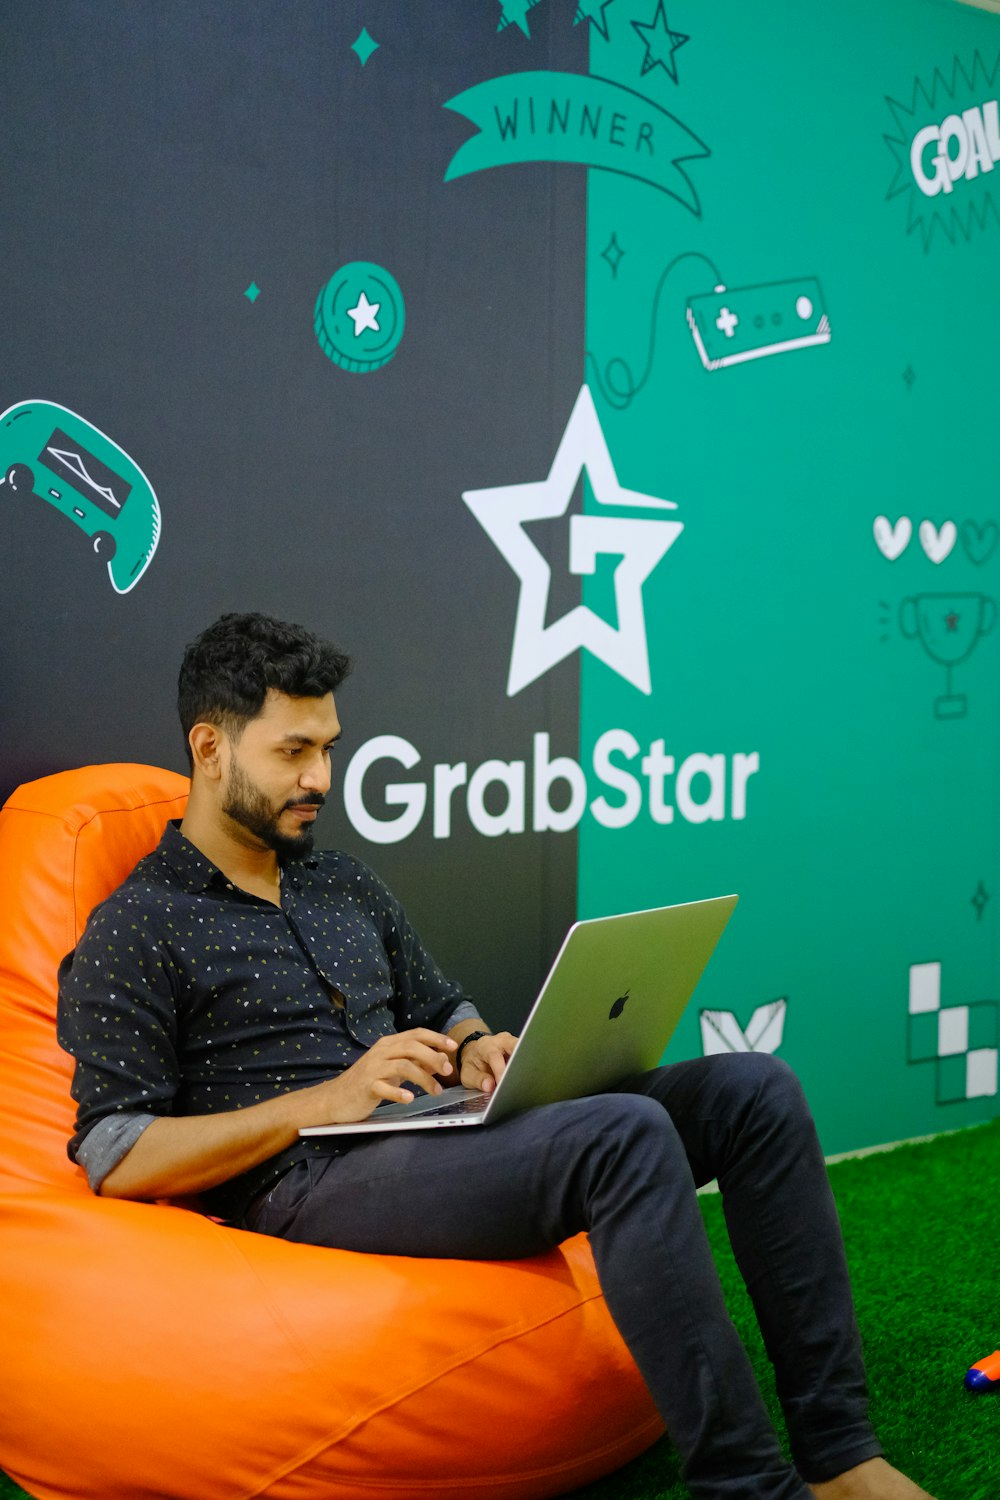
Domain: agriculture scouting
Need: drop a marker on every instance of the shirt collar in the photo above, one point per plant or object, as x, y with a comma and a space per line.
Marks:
194, 870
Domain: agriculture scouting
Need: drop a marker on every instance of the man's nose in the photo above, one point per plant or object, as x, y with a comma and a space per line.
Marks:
316, 776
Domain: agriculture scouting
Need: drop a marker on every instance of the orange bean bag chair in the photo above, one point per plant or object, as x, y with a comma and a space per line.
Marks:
148, 1351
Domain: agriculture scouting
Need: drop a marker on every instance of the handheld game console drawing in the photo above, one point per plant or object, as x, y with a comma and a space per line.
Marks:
59, 457
731, 325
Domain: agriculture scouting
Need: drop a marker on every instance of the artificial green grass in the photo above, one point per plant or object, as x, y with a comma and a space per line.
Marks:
922, 1228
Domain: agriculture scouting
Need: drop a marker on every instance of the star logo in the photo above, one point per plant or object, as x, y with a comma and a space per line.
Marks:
365, 315
640, 544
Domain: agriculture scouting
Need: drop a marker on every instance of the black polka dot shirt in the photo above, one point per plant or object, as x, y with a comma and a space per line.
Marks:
187, 995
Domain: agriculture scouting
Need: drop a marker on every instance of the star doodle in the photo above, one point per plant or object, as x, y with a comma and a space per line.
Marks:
951, 621
365, 315
613, 253
593, 11
661, 43
639, 544
515, 13
364, 46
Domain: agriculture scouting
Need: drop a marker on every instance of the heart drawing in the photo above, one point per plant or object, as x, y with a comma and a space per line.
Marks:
892, 540
980, 541
937, 544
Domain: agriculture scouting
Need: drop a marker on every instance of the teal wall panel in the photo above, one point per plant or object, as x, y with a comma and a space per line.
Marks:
788, 620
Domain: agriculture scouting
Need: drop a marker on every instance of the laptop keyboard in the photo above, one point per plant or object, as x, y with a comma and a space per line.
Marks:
474, 1106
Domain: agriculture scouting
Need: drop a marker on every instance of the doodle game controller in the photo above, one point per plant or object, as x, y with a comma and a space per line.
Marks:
730, 325
52, 454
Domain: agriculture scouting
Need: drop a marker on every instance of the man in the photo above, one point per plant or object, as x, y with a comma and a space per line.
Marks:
237, 988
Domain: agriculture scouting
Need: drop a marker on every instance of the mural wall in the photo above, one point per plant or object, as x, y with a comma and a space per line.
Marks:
612, 378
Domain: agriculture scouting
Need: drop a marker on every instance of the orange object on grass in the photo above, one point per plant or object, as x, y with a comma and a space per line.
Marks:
150, 1352
984, 1375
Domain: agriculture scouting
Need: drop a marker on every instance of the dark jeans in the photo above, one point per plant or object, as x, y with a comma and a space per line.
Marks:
624, 1167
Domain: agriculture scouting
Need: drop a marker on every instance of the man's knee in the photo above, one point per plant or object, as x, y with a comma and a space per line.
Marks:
632, 1145
765, 1082
631, 1122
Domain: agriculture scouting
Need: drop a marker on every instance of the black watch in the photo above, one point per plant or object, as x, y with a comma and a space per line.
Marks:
473, 1036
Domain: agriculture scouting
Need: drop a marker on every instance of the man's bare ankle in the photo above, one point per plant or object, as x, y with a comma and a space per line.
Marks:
873, 1480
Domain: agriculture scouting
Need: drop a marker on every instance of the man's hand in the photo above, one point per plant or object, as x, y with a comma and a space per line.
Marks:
405, 1057
484, 1061
179, 1154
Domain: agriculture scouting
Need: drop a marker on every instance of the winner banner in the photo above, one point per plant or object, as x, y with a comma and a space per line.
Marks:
547, 116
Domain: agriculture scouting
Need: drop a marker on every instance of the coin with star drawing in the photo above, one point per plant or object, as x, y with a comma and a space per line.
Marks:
359, 317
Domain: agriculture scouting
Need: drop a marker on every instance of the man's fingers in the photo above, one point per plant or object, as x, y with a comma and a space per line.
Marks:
491, 1053
410, 1074
404, 1049
429, 1060
430, 1038
399, 1075
420, 1046
382, 1089
496, 1061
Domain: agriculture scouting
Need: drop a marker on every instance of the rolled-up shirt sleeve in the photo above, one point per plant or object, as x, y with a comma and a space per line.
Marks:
465, 1012
117, 1018
107, 1142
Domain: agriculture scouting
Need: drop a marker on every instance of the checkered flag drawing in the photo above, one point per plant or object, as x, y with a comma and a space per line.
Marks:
962, 1040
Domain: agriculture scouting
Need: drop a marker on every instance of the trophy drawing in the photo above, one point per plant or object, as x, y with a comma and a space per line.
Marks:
948, 626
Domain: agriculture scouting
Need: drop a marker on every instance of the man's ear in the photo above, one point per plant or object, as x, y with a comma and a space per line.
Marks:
206, 744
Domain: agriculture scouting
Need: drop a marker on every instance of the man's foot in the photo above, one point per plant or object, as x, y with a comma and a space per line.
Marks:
872, 1480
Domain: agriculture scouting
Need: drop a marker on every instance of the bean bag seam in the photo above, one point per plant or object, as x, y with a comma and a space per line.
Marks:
492, 1341
108, 812
235, 1249
71, 823
17, 802
466, 1358
653, 1426
75, 828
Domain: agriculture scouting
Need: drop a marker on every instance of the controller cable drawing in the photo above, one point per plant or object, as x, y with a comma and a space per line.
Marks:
619, 389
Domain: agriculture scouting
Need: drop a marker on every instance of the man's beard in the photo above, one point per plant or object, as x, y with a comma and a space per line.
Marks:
246, 804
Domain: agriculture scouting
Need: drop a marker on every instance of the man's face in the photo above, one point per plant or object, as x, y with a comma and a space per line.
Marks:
279, 772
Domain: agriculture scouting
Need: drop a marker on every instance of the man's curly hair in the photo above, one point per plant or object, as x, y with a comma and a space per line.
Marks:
227, 672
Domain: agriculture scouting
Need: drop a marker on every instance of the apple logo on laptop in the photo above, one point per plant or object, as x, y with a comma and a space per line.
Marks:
618, 1007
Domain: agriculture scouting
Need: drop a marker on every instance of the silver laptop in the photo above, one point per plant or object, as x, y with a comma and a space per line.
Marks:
607, 1010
